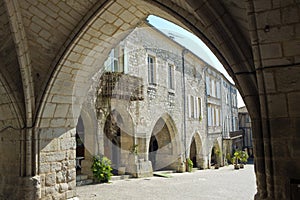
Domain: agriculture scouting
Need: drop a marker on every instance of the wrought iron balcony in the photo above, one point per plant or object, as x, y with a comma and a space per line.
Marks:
121, 86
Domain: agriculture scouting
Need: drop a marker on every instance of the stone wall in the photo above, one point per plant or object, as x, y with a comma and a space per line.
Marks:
57, 163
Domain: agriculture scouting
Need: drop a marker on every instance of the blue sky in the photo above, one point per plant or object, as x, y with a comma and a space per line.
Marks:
191, 42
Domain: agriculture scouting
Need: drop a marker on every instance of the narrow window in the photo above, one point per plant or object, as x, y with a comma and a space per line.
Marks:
213, 89
192, 107
171, 76
151, 69
208, 85
209, 116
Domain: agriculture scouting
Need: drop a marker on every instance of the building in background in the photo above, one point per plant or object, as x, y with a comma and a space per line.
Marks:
245, 127
158, 104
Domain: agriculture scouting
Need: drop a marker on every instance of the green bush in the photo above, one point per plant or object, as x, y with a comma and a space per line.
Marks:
189, 164
244, 157
101, 168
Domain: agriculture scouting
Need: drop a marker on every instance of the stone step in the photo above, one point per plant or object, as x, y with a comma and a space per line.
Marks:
84, 182
81, 177
164, 172
121, 177
194, 169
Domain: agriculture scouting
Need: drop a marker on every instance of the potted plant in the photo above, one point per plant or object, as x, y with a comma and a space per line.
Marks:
101, 169
190, 164
244, 158
235, 159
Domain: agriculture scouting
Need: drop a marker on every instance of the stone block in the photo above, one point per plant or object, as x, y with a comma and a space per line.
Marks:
277, 105
290, 14
127, 16
271, 18
49, 145
63, 187
50, 179
71, 175
44, 168
61, 177
49, 110
291, 48
272, 50
262, 5
59, 122
70, 194
61, 110
67, 143
293, 104
72, 185
56, 166
287, 79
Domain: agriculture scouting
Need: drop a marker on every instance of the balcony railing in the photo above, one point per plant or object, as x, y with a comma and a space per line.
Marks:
121, 86
236, 134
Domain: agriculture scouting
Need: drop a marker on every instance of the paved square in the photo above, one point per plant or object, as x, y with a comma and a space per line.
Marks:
224, 183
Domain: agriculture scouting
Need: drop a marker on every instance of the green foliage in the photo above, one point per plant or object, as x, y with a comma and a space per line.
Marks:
236, 157
240, 156
244, 157
190, 164
101, 168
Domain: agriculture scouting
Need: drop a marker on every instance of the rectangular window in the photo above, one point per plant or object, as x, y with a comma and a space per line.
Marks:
218, 90
199, 110
171, 79
115, 62
208, 85
213, 89
192, 107
151, 69
209, 117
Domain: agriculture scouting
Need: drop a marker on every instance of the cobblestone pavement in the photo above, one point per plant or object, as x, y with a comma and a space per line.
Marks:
224, 183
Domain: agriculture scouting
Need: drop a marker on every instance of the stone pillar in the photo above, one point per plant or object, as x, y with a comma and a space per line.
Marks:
57, 163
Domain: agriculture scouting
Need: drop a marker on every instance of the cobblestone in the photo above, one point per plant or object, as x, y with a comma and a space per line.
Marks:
224, 183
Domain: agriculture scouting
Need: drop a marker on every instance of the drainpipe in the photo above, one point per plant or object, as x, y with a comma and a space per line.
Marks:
184, 51
205, 96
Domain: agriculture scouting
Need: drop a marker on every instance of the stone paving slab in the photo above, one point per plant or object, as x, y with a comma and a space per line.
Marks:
224, 183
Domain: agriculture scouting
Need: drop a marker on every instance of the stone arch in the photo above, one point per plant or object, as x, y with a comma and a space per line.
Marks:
118, 139
85, 53
90, 138
216, 155
196, 151
163, 146
87, 47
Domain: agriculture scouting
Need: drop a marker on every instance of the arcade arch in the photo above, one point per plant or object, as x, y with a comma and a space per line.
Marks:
196, 153
164, 148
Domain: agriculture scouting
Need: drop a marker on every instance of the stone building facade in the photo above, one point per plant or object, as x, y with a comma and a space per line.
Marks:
245, 126
162, 99
50, 50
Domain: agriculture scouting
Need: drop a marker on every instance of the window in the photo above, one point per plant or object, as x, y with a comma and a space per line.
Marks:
151, 69
171, 79
209, 117
208, 85
213, 89
218, 90
195, 105
192, 106
199, 108
115, 62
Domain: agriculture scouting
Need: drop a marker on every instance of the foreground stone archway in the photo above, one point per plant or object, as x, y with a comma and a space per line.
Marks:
58, 47
197, 152
164, 148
